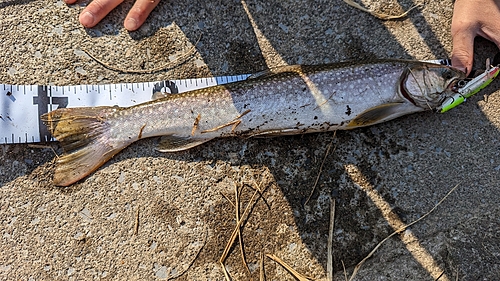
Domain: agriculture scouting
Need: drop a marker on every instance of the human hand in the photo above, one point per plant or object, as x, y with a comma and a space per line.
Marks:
472, 18
98, 9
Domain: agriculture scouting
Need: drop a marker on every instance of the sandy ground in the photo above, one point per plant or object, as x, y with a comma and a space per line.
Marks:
149, 216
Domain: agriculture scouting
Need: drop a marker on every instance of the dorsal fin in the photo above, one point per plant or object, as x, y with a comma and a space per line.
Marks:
276, 70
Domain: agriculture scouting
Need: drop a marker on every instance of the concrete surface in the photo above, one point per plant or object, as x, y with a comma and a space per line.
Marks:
380, 177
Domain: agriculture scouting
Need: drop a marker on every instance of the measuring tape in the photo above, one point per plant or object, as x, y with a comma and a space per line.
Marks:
22, 105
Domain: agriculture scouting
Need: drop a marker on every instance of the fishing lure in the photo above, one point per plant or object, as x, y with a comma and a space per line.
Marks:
468, 88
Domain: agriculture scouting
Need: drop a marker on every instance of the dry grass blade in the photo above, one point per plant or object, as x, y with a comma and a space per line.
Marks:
226, 274
235, 232
358, 266
232, 239
489, 252
380, 15
257, 187
44, 146
228, 200
240, 237
180, 60
329, 265
262, 273
345, 272
292, 271
321, 167
188, 256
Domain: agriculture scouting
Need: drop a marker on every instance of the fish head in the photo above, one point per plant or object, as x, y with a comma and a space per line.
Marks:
427, 85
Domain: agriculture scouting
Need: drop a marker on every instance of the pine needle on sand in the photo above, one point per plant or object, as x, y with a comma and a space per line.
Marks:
358, 266
329, 264
321, 167
380, 15
240, 237
262, 272
180, 60
237, 230
292, 271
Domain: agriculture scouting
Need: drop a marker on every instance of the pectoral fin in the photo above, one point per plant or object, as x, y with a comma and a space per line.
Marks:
381, 113
176, 143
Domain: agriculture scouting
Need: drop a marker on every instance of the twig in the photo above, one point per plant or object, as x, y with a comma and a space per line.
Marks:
292, 271
380, 15
358, 266
178, 61
329, 265
321, 167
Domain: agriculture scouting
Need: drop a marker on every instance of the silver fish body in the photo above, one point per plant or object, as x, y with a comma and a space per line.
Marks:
282, 101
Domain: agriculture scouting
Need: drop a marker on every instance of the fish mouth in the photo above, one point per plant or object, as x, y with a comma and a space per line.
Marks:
428, 100
456, 84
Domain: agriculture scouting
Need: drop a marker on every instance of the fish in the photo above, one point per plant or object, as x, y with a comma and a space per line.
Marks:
287, 100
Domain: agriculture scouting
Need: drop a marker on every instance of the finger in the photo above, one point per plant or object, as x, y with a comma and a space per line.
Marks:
463, 50
96, 11
70, 1
139, 13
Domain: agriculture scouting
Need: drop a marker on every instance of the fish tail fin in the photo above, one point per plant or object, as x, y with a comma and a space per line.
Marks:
84, 134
